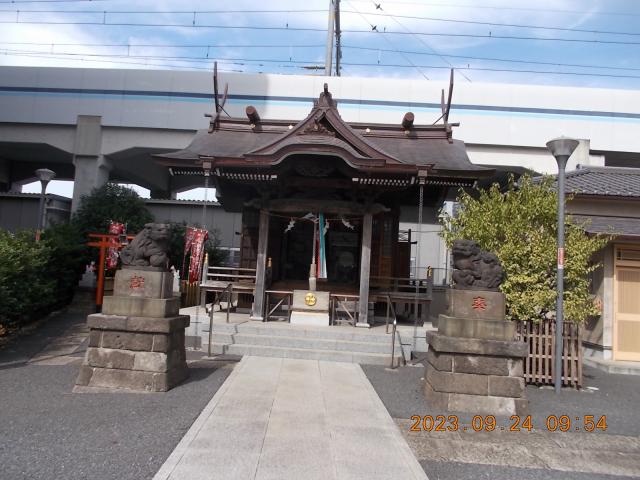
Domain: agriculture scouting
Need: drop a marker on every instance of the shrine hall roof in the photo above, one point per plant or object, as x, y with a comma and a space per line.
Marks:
241, 142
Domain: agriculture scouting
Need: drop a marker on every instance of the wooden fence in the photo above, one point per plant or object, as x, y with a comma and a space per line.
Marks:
539, 364
190, 293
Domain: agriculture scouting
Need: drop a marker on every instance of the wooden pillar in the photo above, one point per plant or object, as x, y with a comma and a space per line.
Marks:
365, 263
261, 266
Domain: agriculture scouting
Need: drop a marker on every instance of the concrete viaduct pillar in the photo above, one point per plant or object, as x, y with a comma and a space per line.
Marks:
91, 167
157, 194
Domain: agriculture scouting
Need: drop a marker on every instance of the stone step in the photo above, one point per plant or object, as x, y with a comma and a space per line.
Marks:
222, 328
352, 334
304, 342
306, 354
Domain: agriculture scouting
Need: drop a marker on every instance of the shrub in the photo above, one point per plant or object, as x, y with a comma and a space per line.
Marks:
25, 291
520, 227
38, 277
111, 202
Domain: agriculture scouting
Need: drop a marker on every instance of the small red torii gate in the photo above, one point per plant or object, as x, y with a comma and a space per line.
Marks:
103, 242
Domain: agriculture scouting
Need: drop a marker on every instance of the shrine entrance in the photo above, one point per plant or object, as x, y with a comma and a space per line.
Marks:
292, 250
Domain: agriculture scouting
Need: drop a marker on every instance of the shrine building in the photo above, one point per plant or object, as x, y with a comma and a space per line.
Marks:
321, 197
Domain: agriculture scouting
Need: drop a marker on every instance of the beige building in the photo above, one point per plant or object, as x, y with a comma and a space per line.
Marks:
608, 198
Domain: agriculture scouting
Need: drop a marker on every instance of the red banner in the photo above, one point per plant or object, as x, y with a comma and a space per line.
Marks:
118, 229
188, 242
194, 240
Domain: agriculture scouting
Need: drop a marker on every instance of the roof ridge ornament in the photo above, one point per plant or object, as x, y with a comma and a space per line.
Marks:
318, 127
325, 100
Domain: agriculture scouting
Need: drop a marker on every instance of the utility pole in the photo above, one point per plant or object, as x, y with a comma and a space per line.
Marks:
330, 32
338, 38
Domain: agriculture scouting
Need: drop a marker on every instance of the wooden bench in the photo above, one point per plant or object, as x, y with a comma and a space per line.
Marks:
218, 279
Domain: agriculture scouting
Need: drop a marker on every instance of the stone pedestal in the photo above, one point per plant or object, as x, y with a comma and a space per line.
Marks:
475, 375
310, 308
137, 342
473, 363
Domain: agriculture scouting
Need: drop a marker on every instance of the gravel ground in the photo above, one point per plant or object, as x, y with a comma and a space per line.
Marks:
460, 471
48, 432
615, 396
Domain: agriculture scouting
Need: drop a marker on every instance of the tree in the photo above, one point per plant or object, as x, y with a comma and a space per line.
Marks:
66, 261
520, 226
111, 202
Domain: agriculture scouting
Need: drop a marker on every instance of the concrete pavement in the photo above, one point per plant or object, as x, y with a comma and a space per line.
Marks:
293, 419
48, 432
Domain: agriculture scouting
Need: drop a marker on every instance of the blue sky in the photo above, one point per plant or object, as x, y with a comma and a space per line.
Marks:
460, 33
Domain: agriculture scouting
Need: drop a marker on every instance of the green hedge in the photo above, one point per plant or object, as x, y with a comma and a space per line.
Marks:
38, 277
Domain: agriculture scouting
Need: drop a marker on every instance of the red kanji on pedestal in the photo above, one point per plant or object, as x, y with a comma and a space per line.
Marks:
479, 303
136, 282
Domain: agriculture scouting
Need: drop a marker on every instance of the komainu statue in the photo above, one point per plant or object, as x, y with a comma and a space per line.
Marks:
149, 248
474, 268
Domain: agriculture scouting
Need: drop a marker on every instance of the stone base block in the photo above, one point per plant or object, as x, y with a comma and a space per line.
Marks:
158, 362
317, 319
100, 321
320, 299
476, 364
143, 283
475, 304
114, 378
140, 306
476, 328
501, 348
135, 353
475, 375
480, 404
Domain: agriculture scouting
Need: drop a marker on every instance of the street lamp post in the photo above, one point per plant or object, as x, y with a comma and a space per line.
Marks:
561, 148
206, 165
45, 176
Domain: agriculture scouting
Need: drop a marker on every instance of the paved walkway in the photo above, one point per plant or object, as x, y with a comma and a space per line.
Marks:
293, 419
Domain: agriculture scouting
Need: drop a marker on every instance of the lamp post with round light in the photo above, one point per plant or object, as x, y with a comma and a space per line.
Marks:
561, 148
45, 176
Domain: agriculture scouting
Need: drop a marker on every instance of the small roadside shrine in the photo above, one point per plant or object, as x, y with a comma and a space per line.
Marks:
321, 198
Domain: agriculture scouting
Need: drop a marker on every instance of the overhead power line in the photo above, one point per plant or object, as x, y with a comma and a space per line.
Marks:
416, 3
373, 28
129, 46
355, 11
114, 62
13, 2
164, 12
492, 59
501, 7
498, 24
423, 42
323, 30
291, 64
162, 45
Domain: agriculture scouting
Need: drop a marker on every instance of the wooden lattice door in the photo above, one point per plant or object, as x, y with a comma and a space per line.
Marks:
626, 343
249, 239
384, 240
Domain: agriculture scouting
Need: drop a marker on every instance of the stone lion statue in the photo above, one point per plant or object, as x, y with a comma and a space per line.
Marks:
149, 248
474, 268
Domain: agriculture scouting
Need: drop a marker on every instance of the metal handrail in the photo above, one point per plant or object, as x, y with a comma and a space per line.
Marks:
393, 310
229, 291
393, 333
